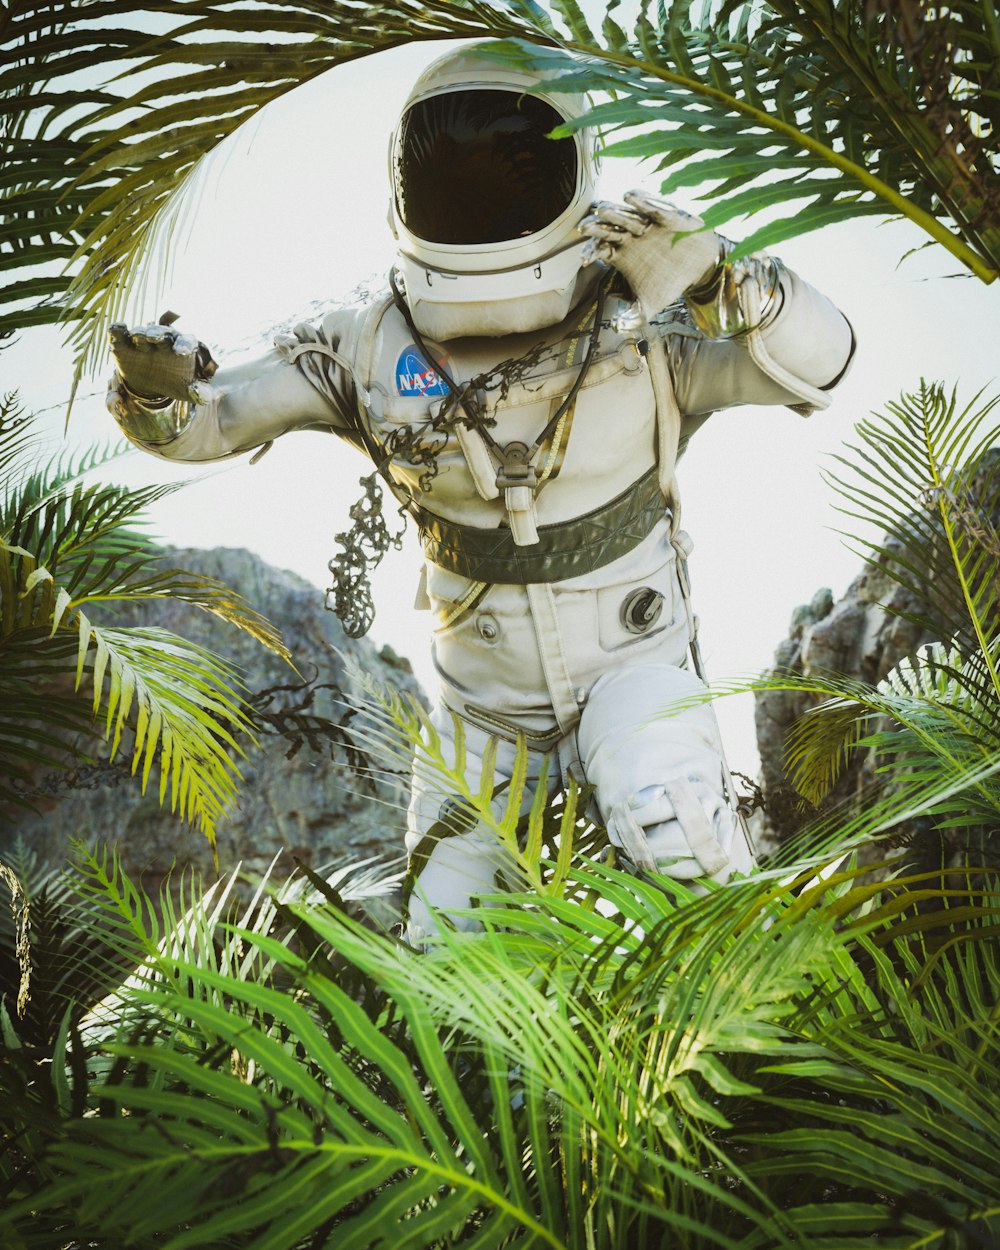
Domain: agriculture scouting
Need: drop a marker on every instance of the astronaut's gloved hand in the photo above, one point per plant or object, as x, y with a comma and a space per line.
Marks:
682, 828
650, 243
156, 362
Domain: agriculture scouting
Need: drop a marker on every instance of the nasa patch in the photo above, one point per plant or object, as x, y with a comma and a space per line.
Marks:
414, 376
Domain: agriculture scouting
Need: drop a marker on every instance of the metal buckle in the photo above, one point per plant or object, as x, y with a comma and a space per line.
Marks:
515, 468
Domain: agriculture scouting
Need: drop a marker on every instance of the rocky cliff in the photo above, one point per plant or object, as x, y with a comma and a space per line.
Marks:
882, 618
299, 797
861, 635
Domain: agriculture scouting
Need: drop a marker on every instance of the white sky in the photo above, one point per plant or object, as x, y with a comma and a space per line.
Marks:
296, 212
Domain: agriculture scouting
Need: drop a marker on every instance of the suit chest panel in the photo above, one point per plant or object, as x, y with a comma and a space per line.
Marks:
602, 444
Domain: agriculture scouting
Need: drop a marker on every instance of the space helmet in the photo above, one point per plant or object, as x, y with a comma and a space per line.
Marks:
485, 205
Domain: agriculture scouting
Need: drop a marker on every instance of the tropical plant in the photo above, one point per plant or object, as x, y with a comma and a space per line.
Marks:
837, 108
69, 553
801, 1059
780, 1063
36, 921
926, 478
91, 942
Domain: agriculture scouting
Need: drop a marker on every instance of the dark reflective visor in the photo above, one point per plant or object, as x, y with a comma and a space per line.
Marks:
477, 167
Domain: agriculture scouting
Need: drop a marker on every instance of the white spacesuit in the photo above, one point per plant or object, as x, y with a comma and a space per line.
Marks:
526, 387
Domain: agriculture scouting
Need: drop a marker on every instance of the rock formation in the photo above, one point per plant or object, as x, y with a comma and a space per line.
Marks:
859, 635
866, 633
303, 803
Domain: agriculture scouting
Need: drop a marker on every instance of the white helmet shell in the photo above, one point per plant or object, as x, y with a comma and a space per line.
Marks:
510, 284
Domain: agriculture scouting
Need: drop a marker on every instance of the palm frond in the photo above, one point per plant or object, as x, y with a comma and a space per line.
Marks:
97, 176
66, 554
852, 117
400, 736
178, 698
855, 113
656, 1069
926, 474
933, 720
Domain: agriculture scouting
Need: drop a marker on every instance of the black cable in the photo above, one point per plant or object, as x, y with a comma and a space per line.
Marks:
461, 395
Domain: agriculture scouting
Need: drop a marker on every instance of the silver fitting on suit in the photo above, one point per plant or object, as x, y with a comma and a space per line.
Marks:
718, 306
147, 420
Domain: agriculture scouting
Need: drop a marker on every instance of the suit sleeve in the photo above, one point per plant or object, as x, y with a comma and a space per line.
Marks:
795, 359
245, 406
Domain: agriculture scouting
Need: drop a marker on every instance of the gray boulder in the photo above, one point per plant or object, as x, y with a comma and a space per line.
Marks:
299, 798
881, 619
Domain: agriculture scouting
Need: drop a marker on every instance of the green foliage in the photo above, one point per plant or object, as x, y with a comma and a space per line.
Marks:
799, 1059
791, 1060
398, 732
927, 476
611, 1061
836, 109
765, 1066
66, 552
110, 108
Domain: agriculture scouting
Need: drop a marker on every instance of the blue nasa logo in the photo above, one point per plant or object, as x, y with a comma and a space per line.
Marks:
414, 376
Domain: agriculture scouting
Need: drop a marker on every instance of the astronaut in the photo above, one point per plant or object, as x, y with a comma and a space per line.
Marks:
525, 387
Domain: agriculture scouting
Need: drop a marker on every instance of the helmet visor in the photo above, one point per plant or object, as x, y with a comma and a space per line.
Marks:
477, 166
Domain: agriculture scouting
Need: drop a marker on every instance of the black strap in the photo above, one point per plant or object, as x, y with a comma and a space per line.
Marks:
564, 549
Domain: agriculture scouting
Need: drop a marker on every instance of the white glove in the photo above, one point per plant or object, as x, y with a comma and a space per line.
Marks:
683, 828
157, 362
639, 238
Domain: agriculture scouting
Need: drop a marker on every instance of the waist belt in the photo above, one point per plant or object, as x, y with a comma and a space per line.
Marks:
566, 549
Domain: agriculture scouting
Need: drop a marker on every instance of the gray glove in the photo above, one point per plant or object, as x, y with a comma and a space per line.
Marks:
640, 239
157, 362
681, 828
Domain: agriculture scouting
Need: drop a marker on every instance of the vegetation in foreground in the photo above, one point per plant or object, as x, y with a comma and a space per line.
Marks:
782, 1063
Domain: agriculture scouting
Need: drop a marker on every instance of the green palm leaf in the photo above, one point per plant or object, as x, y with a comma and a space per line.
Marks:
66, 553
178, 699
926, 475
819, 90
936, 724
857, 114
658, 1070
112, 173
923, 476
